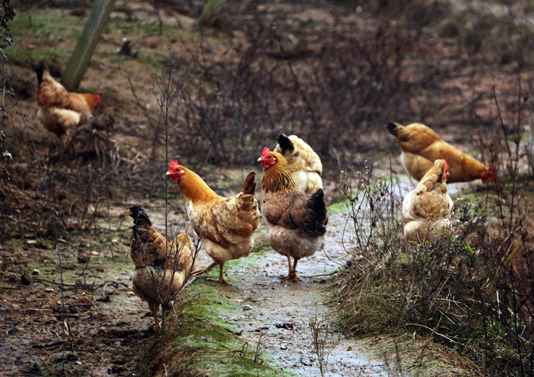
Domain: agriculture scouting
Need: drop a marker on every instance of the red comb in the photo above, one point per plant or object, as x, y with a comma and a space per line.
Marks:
265, 151
446, 173
98, 101
174, 163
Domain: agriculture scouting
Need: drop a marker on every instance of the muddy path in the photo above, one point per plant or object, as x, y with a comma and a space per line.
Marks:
276, 314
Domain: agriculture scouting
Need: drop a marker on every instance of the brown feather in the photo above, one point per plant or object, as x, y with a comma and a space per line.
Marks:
421, 146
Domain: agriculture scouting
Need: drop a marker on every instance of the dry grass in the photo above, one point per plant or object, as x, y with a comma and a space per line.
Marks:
471, 290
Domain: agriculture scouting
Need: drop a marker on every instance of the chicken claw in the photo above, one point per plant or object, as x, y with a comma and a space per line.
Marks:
204, 270
221, 279
293, 276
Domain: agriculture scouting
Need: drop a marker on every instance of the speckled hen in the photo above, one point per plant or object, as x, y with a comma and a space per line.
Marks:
296, 221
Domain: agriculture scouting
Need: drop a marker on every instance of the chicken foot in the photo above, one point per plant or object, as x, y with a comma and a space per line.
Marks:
204, 270
221, 278
292, 271
207, 269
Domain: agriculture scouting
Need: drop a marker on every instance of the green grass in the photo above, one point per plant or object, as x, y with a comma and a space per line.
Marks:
46, 28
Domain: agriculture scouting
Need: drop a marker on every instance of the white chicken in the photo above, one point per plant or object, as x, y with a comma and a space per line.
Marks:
303, 163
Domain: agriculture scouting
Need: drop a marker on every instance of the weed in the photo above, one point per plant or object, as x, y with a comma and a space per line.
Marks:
323, 340
470, 289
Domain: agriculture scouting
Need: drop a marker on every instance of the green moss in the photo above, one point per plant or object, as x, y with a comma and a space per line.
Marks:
200, 340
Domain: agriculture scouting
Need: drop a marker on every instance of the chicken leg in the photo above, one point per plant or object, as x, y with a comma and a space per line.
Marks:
208, 269
292, 272
204, 270
154, 306
221, 278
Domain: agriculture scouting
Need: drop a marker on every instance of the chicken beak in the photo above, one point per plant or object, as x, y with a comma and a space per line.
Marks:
260, 159
167, 173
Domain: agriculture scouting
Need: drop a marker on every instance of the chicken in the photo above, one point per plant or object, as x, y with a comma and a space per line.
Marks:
303, 163
427, 210
161, 267
421, 146
60, 110
295, 220
227, 225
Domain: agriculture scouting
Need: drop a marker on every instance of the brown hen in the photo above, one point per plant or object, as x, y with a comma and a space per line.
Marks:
59, 109
296, 221
421, 146
227, 225
161, 267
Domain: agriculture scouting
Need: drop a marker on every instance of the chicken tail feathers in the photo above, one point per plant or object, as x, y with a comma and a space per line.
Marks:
394, 128
319, 214
249, 186
285, 143
40, 70
139, 216
141, 220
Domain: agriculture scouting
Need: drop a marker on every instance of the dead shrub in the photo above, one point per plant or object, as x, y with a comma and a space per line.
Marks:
471, 290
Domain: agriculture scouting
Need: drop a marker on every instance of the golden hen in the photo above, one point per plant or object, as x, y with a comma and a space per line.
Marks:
60, 110
427, 210
303, 163
161, 267
227, 225
295, 220
421, 146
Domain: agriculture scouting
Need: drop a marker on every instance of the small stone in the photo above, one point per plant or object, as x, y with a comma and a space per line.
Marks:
95, 253
283, 347
49, 289
83, 257
25, 278
36, 272
247, 307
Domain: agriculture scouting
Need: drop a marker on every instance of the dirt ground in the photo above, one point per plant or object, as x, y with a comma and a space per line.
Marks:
108, 324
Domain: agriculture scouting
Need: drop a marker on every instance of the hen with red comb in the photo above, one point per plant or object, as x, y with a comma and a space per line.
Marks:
427, 210
421, 146
226, 225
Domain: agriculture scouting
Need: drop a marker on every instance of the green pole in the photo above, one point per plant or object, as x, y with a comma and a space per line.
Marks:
86, 44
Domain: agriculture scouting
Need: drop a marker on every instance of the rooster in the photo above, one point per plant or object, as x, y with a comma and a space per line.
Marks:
227, 225
60, 110
427, 210
295, 220
421, 146
161, 267
303, 163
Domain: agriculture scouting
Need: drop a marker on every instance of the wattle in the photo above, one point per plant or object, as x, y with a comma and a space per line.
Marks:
266, 164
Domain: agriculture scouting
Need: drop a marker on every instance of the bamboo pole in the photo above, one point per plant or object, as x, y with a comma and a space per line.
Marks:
86, 44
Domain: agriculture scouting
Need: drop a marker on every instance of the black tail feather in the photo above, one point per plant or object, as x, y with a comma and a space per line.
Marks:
393, 128
285, 143
139, 216
40, 71
319, 218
